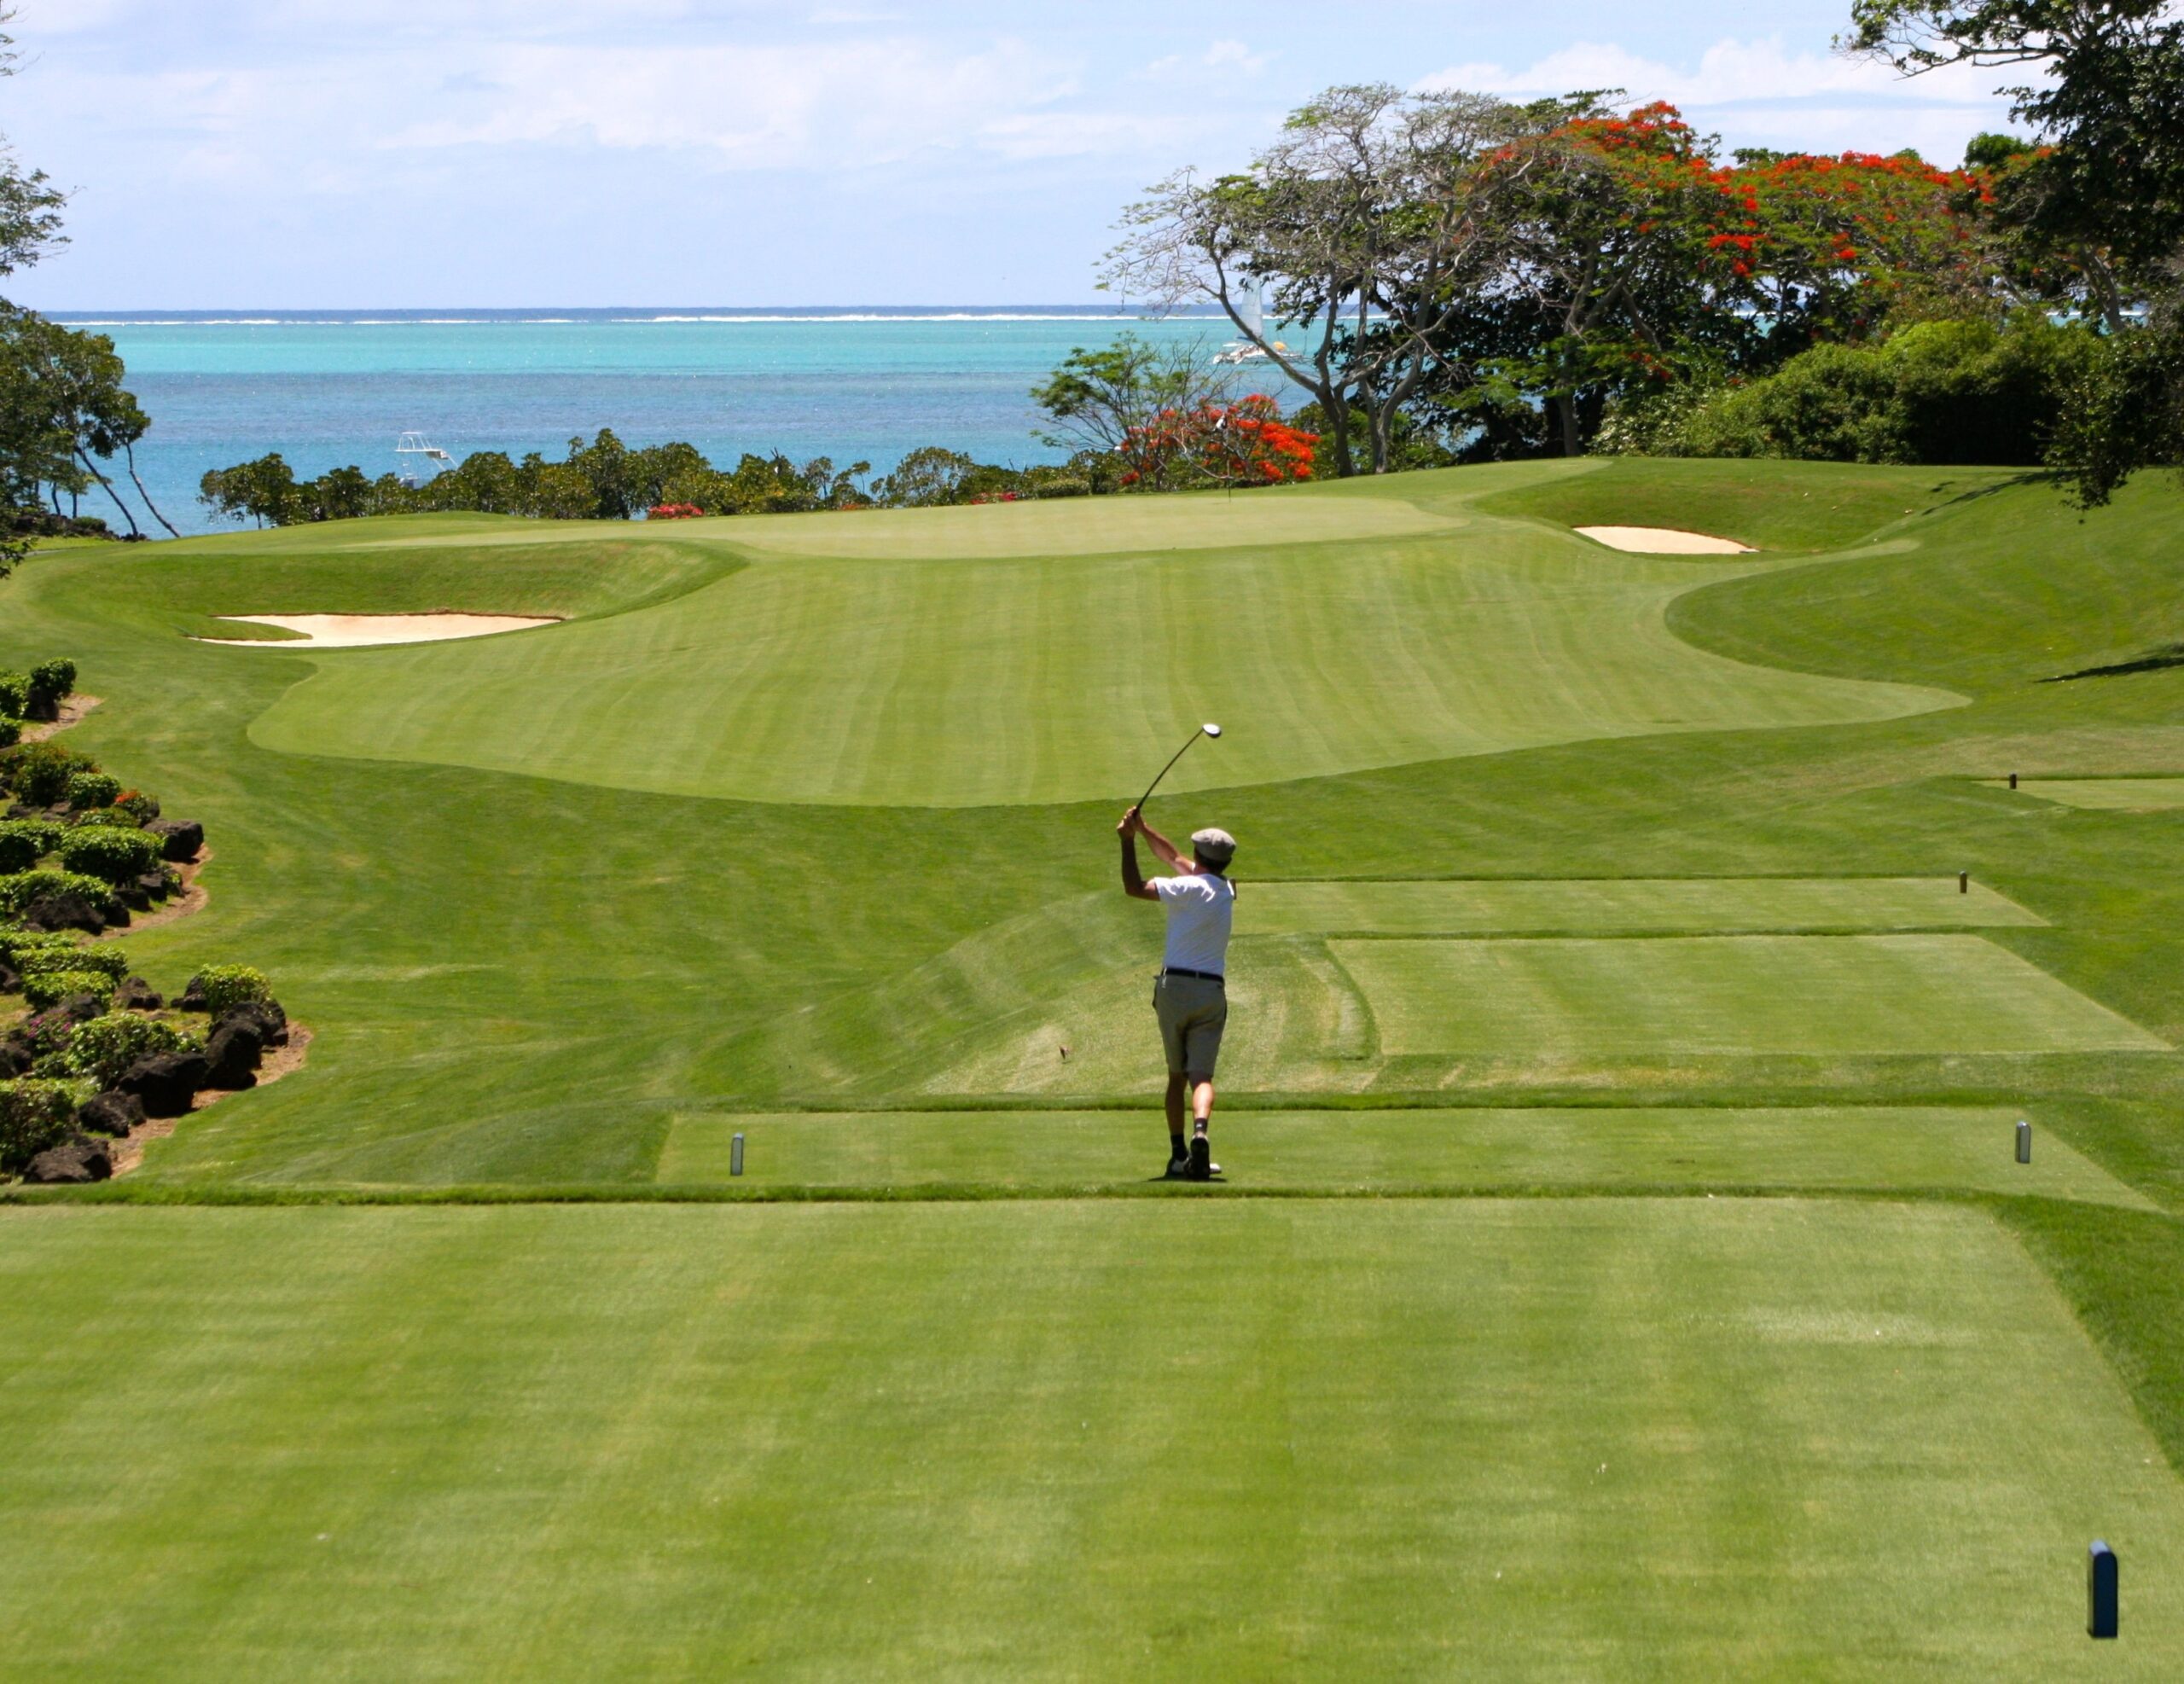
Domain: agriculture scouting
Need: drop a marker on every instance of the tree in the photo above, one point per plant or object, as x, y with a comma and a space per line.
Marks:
1096, 398
30, 204
2105, 194
264, 491
931, 478
1217, 444
1631, 257
63, 405
1366, 225
2098, 208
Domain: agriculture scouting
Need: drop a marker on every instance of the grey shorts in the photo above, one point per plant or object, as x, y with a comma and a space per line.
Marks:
1193, 1012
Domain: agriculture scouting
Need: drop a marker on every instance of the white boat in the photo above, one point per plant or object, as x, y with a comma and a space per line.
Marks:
415, 445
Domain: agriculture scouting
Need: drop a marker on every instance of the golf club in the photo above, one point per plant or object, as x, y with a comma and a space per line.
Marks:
1206, 730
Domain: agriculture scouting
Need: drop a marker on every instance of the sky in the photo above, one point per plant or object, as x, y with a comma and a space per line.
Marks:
512, 154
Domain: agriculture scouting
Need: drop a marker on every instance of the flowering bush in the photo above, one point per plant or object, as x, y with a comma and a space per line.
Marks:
1246, 443
673, 511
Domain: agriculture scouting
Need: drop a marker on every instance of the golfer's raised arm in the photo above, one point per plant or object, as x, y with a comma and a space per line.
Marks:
1134, 883
1162, 846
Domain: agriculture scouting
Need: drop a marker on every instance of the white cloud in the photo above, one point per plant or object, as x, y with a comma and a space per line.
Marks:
1759, 90
1225, 55
1729, 72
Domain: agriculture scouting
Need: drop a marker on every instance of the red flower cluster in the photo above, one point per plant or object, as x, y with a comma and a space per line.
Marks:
673, 511
1246, 443
1856, 219
997, 497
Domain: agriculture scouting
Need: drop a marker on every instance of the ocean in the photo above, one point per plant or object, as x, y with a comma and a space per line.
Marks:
326, 388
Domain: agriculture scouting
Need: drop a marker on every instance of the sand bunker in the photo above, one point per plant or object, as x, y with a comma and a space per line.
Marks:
356, 631
1662, 541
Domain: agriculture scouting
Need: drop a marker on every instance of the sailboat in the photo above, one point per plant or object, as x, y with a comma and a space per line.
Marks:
1237, 352
417, 444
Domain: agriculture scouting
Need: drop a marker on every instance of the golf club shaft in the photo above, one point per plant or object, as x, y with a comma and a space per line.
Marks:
1169, 767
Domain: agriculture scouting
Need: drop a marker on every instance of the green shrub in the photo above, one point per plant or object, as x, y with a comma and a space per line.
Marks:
224, 986
112, 818
87, 790
102, 852
103, 1048
14, 694
25, 842
34, 1116
109, 960
1938, 392
50, 988
30, 951
38, 772
138, 807
11, 731
20, 890
51, 681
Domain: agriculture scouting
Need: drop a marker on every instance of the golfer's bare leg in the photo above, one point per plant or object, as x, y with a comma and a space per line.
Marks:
1176, 1114
1201, 1106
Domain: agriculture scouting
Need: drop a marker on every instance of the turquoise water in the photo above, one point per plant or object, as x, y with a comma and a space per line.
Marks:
326, 390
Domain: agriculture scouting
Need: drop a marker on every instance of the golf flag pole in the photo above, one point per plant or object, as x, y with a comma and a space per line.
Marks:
1209, 730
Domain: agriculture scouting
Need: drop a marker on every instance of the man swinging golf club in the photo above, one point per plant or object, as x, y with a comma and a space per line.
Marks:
1190, 997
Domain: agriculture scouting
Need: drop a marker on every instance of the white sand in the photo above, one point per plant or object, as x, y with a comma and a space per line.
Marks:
1662, 541
355, 631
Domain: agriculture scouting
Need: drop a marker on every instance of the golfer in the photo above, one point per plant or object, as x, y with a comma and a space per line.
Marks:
1190, 998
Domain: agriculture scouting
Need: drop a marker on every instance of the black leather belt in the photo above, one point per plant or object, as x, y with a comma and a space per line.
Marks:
1201, 975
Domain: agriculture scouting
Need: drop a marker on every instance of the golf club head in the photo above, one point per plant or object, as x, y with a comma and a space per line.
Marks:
1211, 730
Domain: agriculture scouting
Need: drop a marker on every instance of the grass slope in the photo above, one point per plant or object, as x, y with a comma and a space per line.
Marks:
1624, 906
955, 682
1628, 1148
845, 1440
1769, 505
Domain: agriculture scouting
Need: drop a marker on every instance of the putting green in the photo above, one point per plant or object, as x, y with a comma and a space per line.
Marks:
1622, 906
978, 683
1726, 994
1969, 1150
2109, 795
1078, 526
1769, 1437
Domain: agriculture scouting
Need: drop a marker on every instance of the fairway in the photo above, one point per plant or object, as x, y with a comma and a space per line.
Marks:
1774, 1436
1623, 906
1726, 994
1809, 1146
2108, 795
971, 683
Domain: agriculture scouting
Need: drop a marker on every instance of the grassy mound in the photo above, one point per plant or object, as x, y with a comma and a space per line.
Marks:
1769, 505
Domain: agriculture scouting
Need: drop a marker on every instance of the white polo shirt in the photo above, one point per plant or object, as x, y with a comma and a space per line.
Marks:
1200, 908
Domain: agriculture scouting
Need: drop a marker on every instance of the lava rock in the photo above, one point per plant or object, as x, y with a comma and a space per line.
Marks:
80, 1008
265, 1016
184, 839
11, 981
192, 997
110, 1113
232, 1055
134, 895
136, 995
63, 911
156, 885
15, 1058
75, 1162
166, 1082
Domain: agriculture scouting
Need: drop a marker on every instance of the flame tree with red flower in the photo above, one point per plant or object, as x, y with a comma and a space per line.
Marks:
1236, 445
